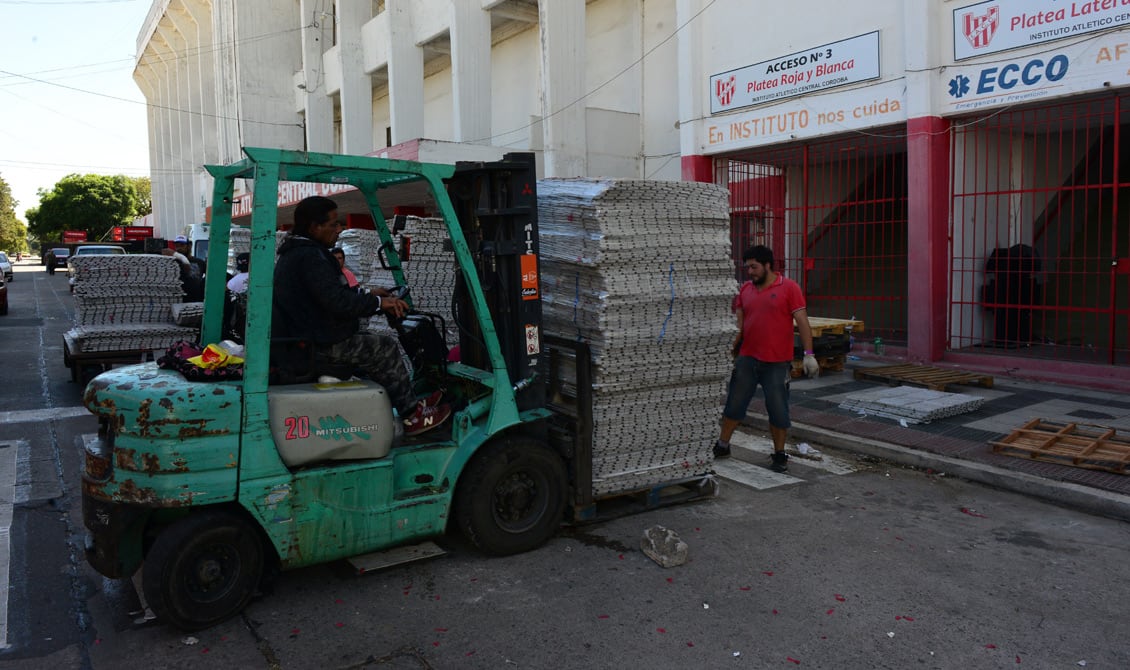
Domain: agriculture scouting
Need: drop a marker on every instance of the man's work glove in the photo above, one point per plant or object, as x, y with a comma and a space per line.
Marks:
811, 367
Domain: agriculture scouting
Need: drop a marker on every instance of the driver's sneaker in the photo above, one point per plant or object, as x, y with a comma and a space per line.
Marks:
434, 399
425, 418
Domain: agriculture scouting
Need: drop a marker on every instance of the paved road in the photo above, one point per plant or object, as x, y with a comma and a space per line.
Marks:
848, 564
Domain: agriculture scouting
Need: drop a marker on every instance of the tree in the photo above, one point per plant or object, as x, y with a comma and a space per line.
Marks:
93, 203
144, 195
13, 233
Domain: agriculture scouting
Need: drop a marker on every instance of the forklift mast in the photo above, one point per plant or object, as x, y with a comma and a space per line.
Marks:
496, 204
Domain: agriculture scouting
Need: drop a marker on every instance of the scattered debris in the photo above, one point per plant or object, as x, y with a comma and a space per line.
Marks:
189, 640
663, 546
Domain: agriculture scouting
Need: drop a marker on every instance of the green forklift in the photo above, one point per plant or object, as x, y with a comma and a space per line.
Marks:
211, 485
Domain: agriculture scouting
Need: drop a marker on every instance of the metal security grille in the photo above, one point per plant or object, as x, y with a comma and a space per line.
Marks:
1039, 241
835, 214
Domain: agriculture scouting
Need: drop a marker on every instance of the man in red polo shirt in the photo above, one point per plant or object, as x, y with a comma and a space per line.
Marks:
766, 307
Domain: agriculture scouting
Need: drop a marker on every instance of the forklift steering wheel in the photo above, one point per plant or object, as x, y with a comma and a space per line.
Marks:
400, 292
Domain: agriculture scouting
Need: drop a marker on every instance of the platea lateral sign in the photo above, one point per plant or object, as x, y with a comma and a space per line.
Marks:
840, 63
999, 25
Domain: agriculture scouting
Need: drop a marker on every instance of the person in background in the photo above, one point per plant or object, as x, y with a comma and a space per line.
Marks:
191, 269
238, 283
313, 302
181, 245
766, 307
339, 254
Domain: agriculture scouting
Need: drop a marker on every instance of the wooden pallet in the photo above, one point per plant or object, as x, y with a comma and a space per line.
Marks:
827, 364
935, 379
822, 326
1078, 445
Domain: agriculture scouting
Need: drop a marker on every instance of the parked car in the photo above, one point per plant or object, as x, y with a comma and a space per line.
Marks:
3, 296
56, 258
91, 250
6, 267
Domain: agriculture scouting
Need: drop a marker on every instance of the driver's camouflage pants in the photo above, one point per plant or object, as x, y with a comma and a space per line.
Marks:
378, 355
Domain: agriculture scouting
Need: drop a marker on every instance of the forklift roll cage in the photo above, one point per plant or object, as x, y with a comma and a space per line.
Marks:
267, 168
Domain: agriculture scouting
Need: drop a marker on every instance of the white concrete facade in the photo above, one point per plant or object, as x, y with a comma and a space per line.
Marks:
604, 87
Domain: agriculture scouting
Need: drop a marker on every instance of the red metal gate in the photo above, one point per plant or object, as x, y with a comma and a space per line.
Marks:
835, 214
1039, 244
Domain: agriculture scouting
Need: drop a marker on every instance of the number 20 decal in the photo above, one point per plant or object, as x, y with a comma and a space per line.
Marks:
297, 427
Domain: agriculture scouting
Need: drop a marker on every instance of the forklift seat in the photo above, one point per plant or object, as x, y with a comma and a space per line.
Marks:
293, 362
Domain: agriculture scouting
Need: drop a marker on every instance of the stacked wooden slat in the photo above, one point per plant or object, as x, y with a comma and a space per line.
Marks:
910, 404
124, 302
641, 271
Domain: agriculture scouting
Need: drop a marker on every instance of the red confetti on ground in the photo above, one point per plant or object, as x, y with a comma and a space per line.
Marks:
767, 573
1018, 660
474, 579
338, 601
776, 612
670, 580
899, 539
441, 630
602, 616
471, 653
990, 646
660, 630
339, 624
909, 618
897, 617
697, 529
831, 611
841, 598
743, 588
886, 529
436, 643
294, 631
792, 660
823, 637
690, 644
223, 638
437, 597
407, 592
966, 510
205, 650
98, 641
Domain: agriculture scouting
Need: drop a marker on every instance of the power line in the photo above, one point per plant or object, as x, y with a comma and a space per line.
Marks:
62, 2
148, 104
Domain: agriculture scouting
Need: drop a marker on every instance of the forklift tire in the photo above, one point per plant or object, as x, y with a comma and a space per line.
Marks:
512, 496
202, 570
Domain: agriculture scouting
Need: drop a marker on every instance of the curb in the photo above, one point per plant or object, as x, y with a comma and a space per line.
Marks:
1094, 501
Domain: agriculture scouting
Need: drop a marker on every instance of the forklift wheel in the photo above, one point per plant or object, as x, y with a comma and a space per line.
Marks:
512, 497
202, 570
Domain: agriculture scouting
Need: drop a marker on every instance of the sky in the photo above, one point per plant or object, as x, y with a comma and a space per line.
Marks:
68, 102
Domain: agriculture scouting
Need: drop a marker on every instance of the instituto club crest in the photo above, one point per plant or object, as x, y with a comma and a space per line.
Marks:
725, 90
979, 30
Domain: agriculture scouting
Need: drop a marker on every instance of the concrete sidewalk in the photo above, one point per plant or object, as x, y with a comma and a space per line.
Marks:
959, 445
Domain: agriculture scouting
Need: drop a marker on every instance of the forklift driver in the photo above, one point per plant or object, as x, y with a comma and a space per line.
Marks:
313, 302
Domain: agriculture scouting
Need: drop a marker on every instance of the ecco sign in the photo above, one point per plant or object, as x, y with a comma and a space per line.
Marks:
995, 79
1029, 74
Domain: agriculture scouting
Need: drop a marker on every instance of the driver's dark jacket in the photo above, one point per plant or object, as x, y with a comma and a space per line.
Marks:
312, 299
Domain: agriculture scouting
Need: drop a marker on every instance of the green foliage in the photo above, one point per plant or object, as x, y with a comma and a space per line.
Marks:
13, 233
90, 202
144, 190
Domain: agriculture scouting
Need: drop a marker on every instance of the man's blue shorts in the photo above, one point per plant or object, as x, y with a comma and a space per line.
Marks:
774, 380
